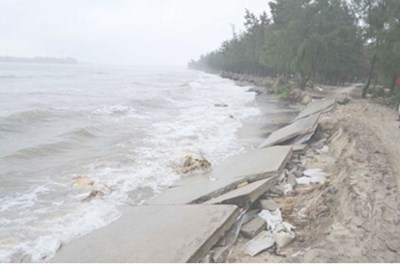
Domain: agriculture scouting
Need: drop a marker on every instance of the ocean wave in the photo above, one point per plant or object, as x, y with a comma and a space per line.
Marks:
22, 200
189, 124
40, 151
82, 133
17, 122
115, 110
33, 115
165, 99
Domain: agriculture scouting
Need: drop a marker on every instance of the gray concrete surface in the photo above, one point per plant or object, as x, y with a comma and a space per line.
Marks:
298, 128
253, 227
251, 166
245, 195
180, 233
299, 148
316, 107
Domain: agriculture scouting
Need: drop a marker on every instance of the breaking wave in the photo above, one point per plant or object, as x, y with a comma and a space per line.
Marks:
125, 137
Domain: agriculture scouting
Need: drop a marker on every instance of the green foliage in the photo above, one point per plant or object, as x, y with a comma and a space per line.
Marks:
327, 41
314, 39
381, 35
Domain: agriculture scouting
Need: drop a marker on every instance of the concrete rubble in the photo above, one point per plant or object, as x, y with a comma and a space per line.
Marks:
263, 241
253, 227
269, 204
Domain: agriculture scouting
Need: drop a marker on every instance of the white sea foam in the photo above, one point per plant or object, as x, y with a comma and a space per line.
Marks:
114, 110
143, 134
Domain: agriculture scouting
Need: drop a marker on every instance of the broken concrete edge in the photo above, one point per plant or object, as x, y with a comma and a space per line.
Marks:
299, 148
289, 139
255, 177
234, 186
206, 247
245, 195
230, 187
250, 179
304, 138
328, 104
268, 162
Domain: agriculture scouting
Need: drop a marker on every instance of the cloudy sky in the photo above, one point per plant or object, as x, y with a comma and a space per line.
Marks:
137, 32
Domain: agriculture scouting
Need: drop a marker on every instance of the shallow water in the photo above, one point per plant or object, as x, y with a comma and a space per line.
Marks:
123, 127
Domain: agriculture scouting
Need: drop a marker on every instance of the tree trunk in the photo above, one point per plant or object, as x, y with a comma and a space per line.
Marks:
371, 71
393, 83
304, 81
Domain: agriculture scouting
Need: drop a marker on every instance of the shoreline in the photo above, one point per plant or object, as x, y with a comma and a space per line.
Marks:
274, 114
301, 205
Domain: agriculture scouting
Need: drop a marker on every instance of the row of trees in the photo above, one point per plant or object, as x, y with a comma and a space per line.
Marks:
328, 41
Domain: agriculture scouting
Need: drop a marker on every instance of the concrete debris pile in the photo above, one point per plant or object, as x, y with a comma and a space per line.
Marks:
265, 228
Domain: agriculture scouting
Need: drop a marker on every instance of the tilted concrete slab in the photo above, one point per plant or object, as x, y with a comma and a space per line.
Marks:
196, 193
245, 195
300, 127
181, 233
299, 148
251, 166
316, 107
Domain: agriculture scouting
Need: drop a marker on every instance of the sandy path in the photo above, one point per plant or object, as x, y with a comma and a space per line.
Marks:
382, 121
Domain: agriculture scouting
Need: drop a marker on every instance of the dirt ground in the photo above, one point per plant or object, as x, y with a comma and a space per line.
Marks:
355, 215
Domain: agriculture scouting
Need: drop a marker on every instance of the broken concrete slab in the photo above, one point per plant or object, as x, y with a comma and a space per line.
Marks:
182, 233
255, 164
269, 204
316, 107
254, 227
245, 195
251, 166
299, 148
197, 193
300, 129
261, 242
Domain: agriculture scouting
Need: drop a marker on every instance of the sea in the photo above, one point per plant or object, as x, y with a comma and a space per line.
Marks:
124, 128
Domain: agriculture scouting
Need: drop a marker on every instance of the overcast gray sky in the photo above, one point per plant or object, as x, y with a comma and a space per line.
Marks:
139, 32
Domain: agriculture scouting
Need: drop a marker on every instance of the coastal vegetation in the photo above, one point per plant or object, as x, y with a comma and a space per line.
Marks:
324, 41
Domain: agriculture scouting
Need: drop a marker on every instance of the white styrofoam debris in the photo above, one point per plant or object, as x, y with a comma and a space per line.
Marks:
273, 218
